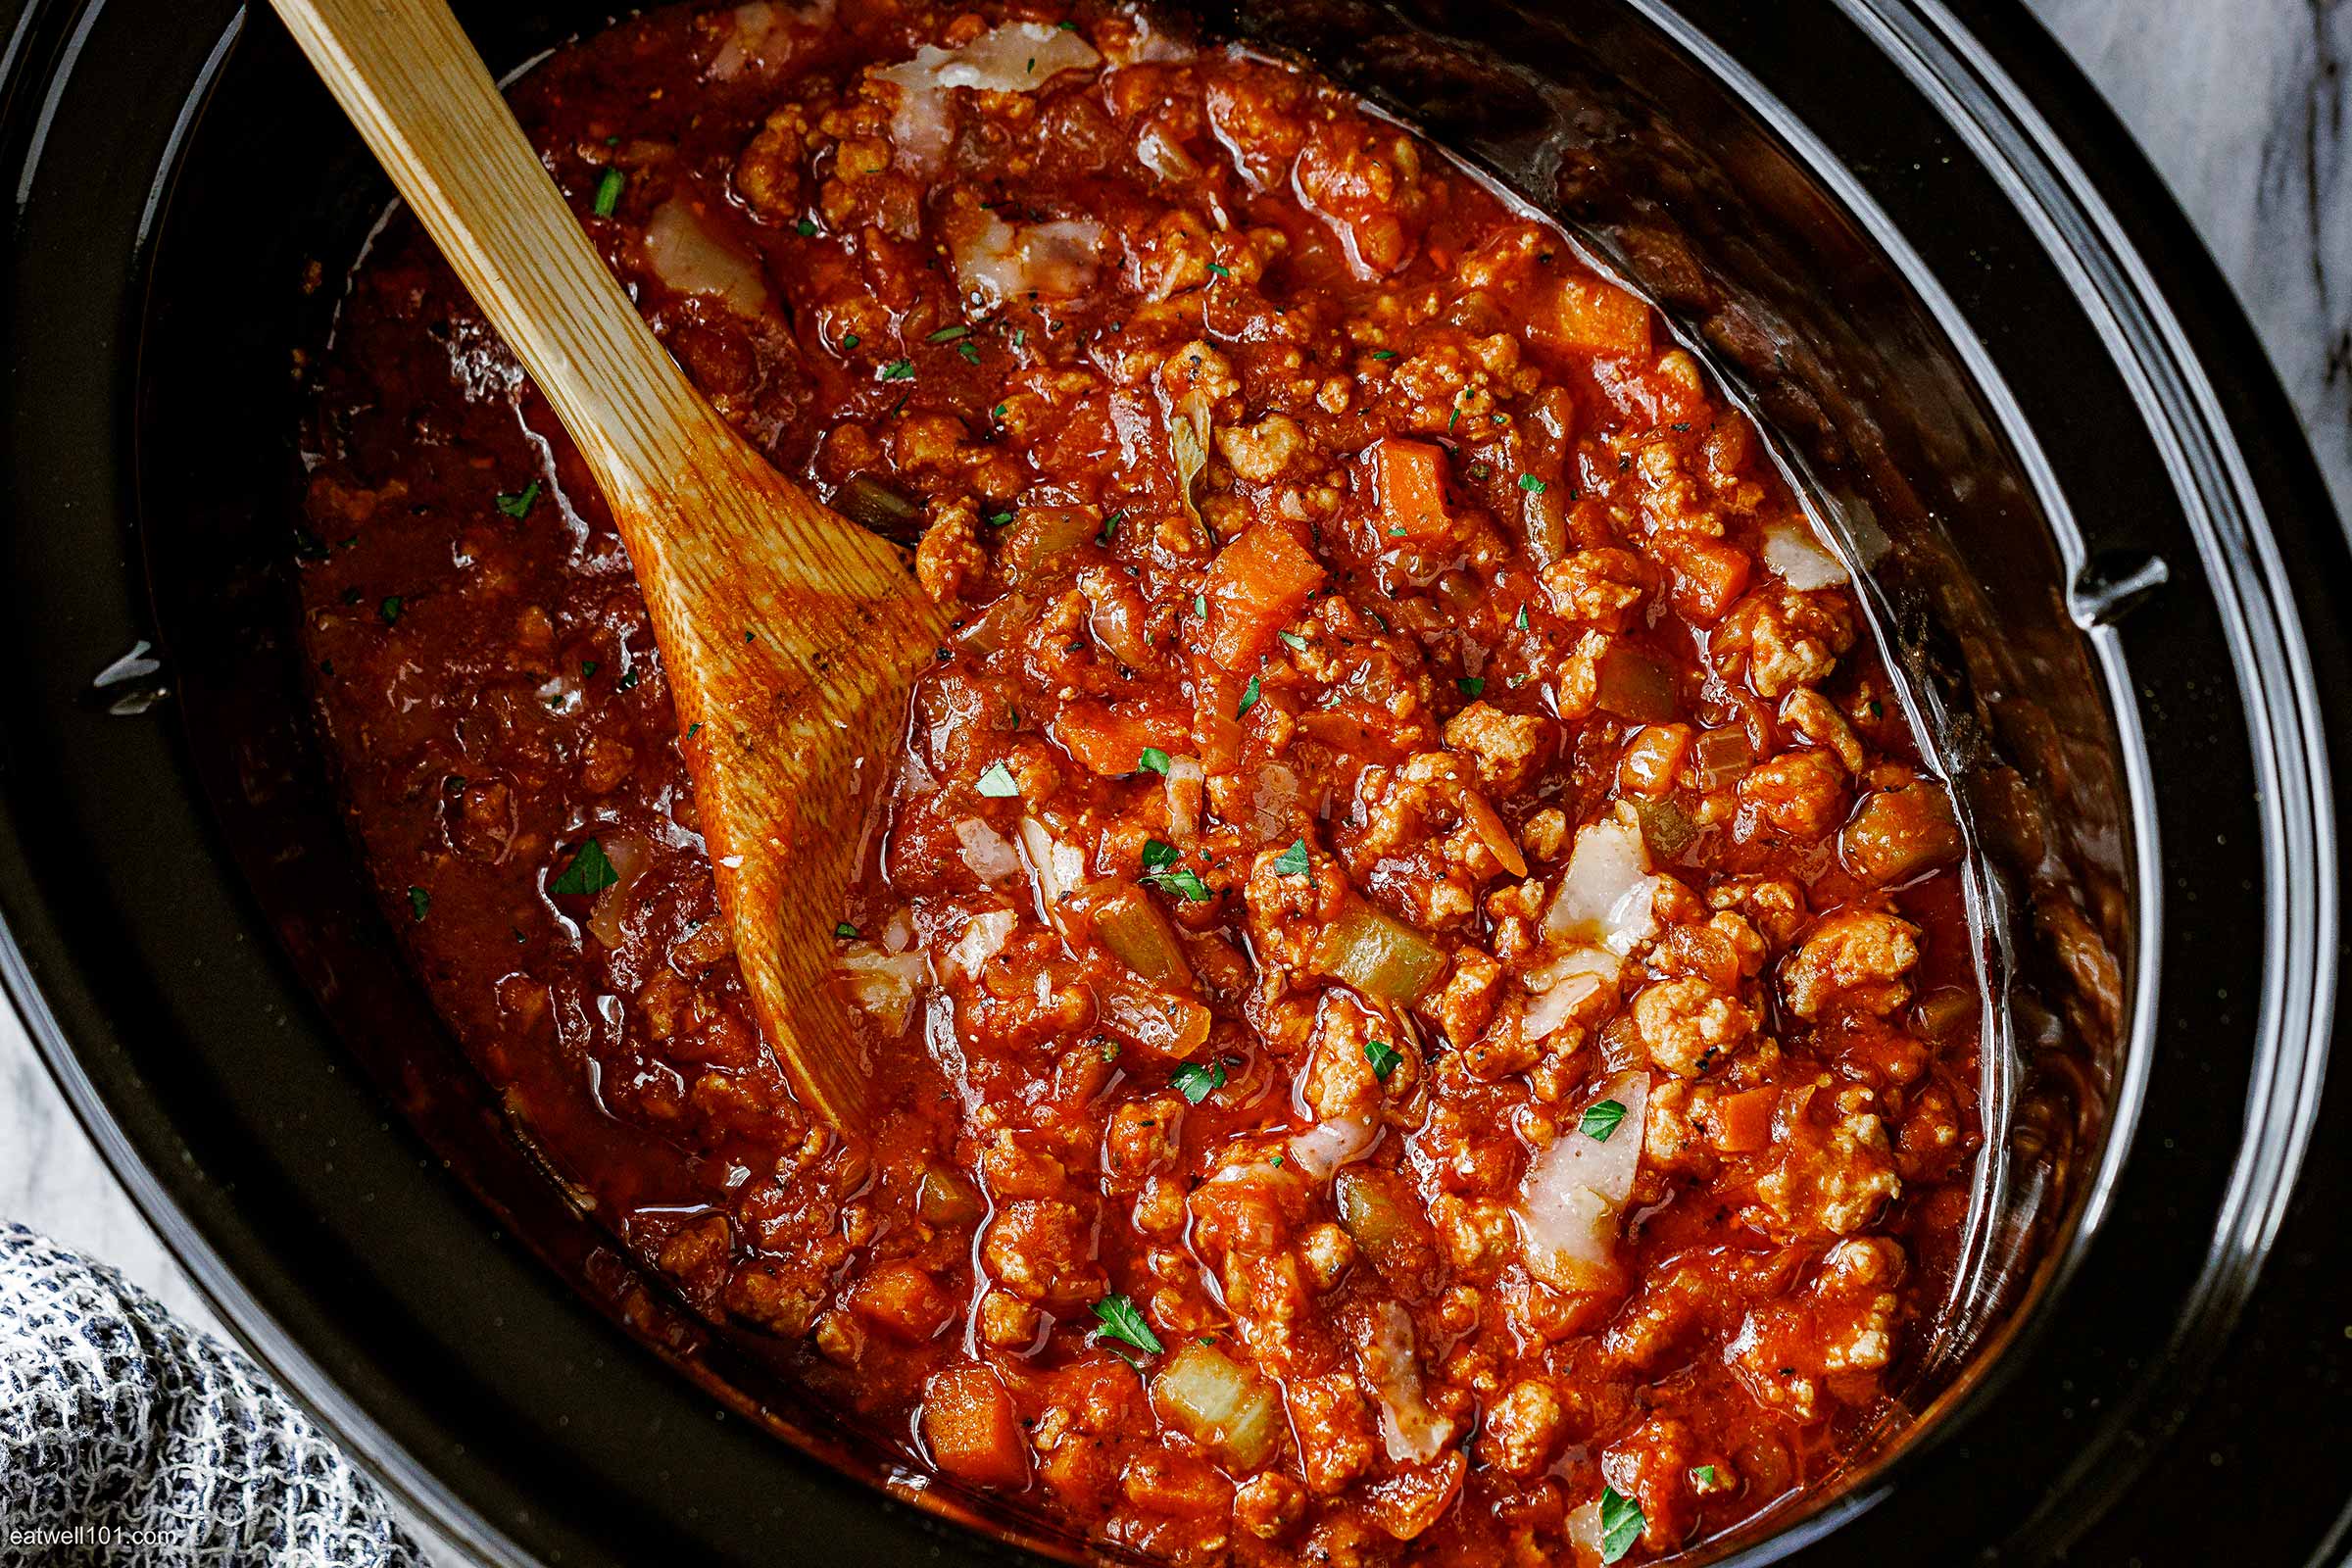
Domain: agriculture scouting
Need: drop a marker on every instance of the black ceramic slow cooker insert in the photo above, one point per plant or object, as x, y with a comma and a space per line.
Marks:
1905, 231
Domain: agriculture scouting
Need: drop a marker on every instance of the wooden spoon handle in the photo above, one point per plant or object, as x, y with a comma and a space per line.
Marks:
411, 81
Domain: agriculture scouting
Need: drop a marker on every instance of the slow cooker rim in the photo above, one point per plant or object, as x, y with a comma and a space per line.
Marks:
277, 1347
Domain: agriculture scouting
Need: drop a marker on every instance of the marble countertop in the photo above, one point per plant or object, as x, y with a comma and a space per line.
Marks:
2241, 104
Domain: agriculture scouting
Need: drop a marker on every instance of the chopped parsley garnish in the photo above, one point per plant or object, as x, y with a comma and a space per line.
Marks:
1121, 1321
846, 931
628, 679
607, 192
1600, 1120
1383, 354
1183, 882
1454, 419
1702, 1475
949, 334
589, 873
1383, 1056
970, 351
997, 520
1470, 685
1292, 639
1201, 606
1196, 1081
1111, 527
1160, 854
1520, 621
420, 903
898, 371
1295, 860
1248, 697
998, 413
1621, 1523
519, 503
1276, 1162
1531, 484
849, 341
587, 667
693, 728
1154, 760
390, 609
807, 227
998, 783
1221, 272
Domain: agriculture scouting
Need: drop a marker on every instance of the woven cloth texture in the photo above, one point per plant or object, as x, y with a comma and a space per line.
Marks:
131, 1440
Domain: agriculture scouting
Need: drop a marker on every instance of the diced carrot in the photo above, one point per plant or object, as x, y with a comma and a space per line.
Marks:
900, 1300
1256, 586
1601, 318
1709, 576
1112, 742
969, 1426
1409, 480
1742, 1122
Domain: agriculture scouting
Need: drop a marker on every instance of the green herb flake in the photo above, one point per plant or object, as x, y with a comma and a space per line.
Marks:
390, 609
1248, 697
844, 931
1702, 1475
898, 371
628, 679
1295, 860
999, 784
1221, 272
692, 728
1154, 760
587, 667
588, 873
997, 414
1531, 484
420, 903
997, 520
1383, 1056
1111, 527
849, 341
520, 504
607, 192
1201, 606
1121, 1321
807, 228
1470, 685
1601, 1119
1277, 1163
1383, 354
1160, 854
949, 334
971, 352
1621, 1523
1292, 639
1196, 1081
1184, 882
1520, 621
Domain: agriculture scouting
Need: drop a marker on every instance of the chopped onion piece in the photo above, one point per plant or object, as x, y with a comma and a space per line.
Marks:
1569, 1204
1188, 443
1163, 154
1017, 56
1053, 866
687, 256
984, 936
1605, 893
759, 35
1413, 1431
1492, 831
897, 932
1327, 1146
987, 851
999, 261
1553, 1006
882, 984
1219, 1403
1791, 550
1185, 781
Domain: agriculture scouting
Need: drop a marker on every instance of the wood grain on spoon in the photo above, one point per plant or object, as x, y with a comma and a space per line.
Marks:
789, 635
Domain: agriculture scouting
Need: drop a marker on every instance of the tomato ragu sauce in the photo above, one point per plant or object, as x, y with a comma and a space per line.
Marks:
1419, 984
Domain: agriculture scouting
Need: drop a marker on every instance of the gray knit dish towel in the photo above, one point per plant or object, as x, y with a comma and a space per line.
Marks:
131, 1440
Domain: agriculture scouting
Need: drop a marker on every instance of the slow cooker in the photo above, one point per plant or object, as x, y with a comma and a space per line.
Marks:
1904, 231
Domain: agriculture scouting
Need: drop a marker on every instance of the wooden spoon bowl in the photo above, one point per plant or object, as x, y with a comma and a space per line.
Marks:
789, 635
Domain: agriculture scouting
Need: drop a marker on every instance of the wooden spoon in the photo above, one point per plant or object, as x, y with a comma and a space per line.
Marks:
789, 635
